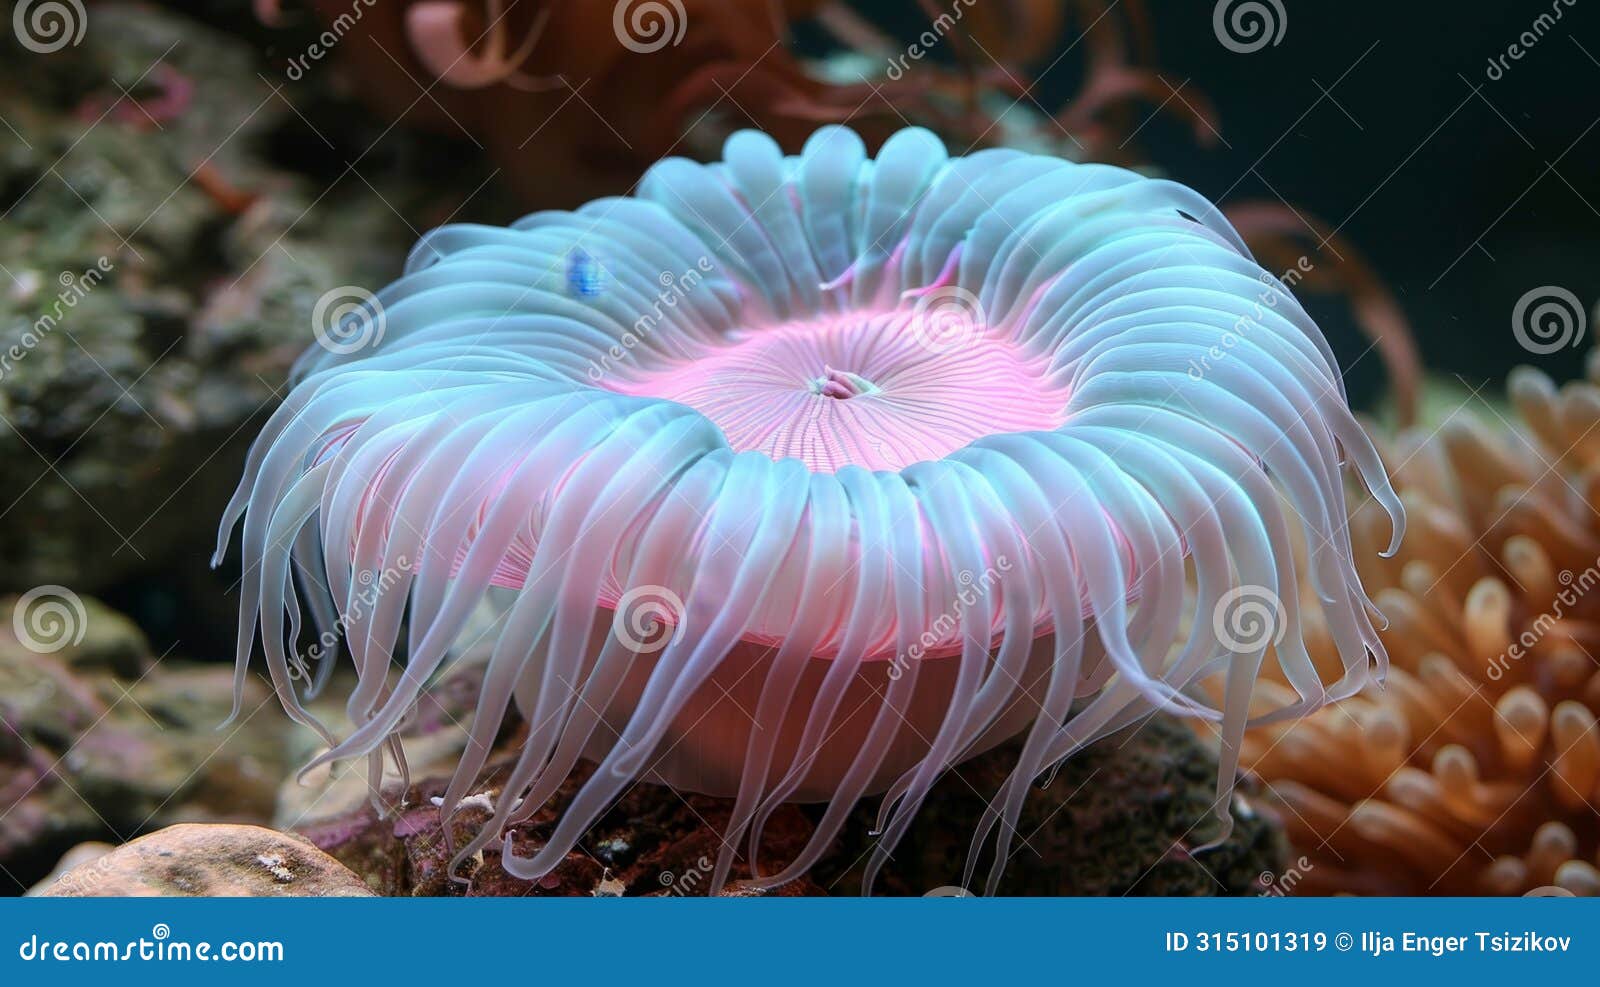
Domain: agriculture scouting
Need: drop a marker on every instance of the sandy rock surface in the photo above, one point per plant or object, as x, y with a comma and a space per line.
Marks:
220, 860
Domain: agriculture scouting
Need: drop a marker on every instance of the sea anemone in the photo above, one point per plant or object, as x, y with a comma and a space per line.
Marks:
1477, 769
804, 478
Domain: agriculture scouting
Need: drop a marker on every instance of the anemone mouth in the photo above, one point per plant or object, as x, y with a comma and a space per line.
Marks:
813, 476
878, 390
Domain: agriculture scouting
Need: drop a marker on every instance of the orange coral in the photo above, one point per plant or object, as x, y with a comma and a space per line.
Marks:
1477, 770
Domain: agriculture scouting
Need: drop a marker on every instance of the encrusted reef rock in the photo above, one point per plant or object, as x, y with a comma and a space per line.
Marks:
99, 739
1127, 816
195, 859
1124, 817
653, 842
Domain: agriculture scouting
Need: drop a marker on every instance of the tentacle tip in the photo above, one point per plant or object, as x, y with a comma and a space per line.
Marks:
302, 777
452, 870
1224, 819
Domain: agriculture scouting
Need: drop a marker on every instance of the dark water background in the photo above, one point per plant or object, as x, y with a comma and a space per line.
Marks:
1381, 119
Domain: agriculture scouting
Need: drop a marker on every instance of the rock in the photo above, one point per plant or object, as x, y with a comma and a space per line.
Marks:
80, 855
110, 643
1127, 816
652, 842
89, 751
1121, 818
195, 859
